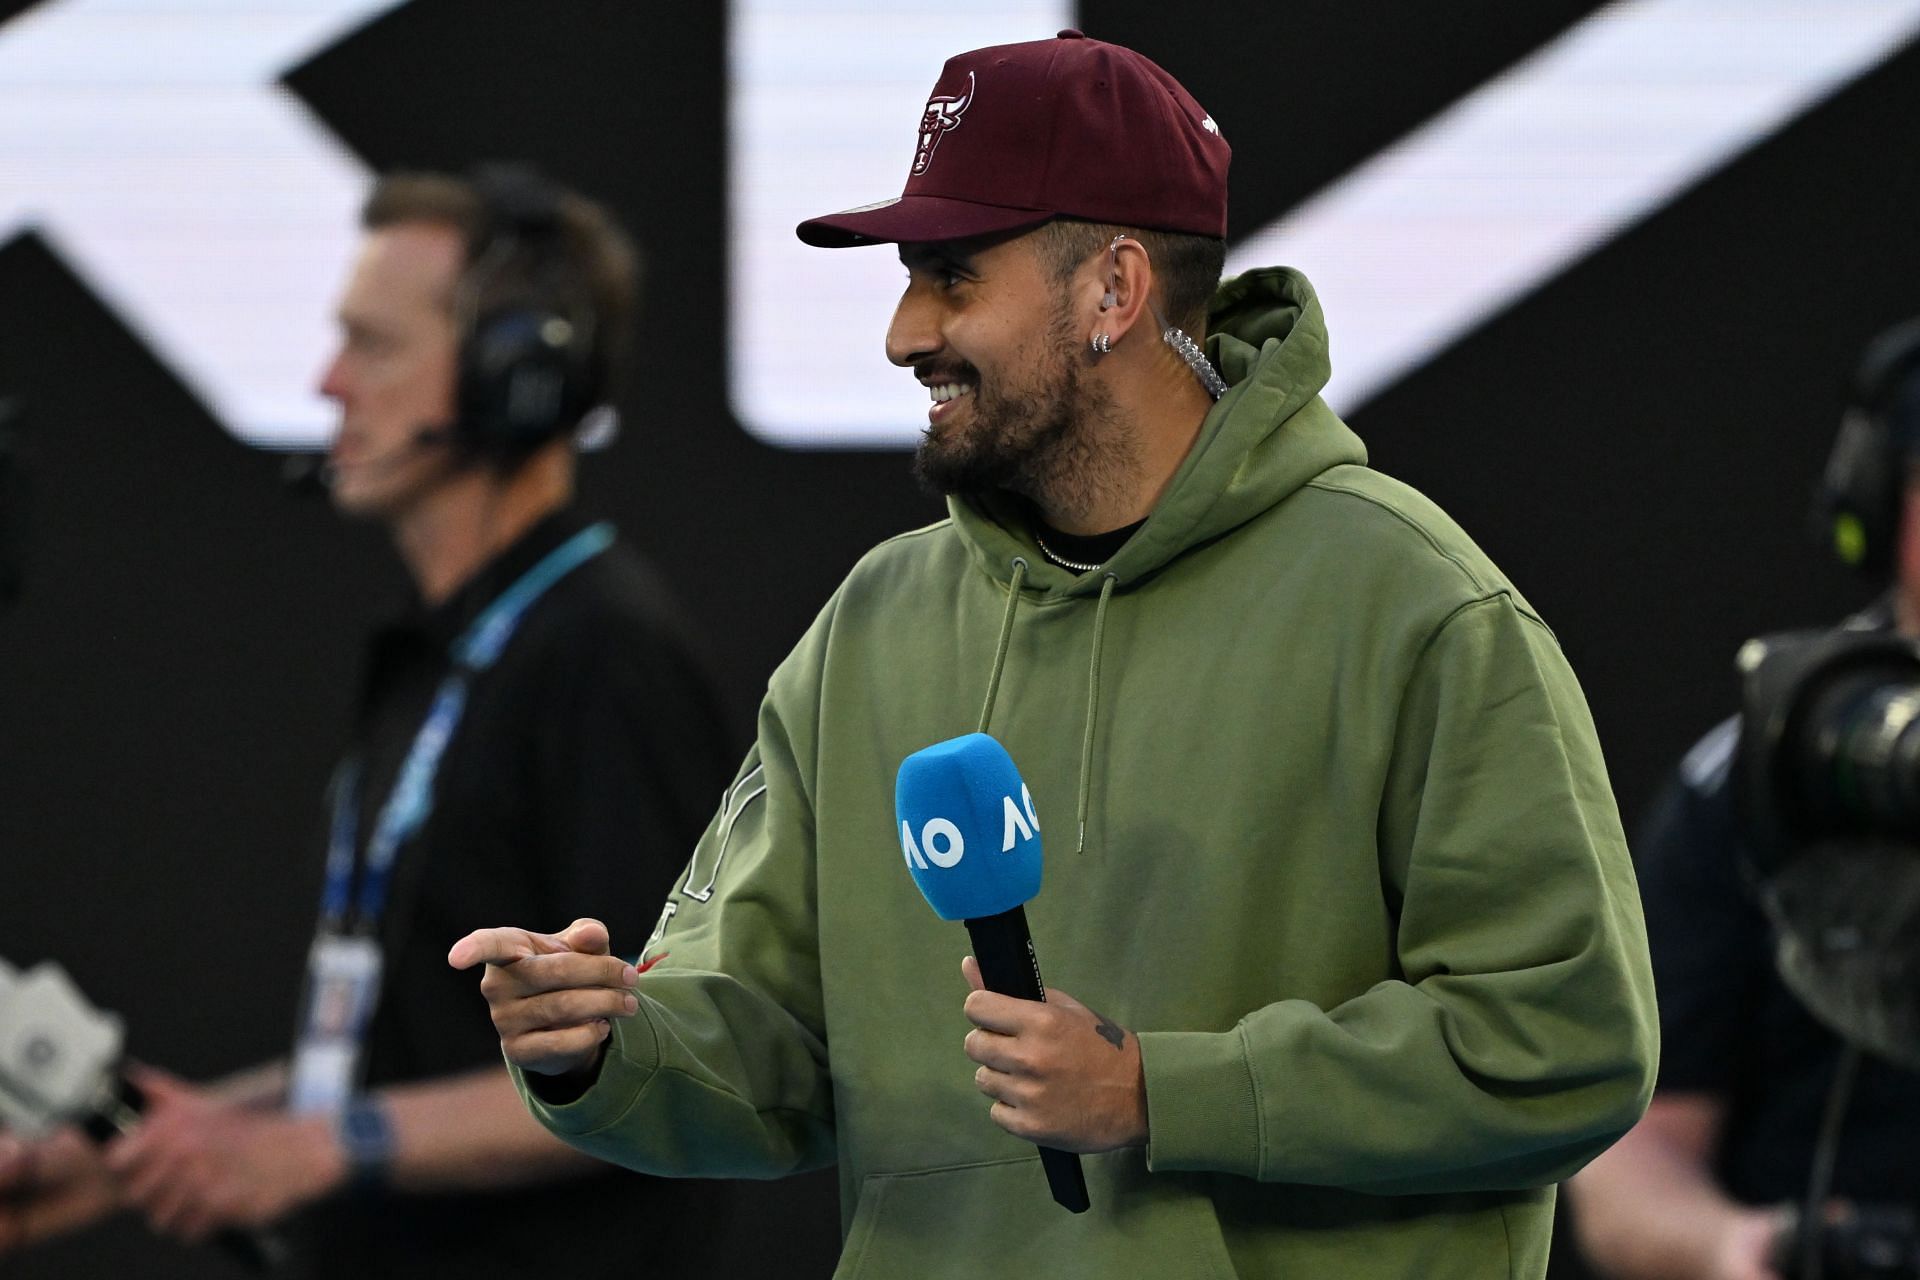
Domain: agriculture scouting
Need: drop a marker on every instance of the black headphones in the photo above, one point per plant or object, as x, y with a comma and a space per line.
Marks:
527, 369
1857, 503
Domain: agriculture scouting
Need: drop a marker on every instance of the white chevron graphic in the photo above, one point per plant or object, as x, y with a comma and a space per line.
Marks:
1409, 251
149, 144
824, 113
1549, 160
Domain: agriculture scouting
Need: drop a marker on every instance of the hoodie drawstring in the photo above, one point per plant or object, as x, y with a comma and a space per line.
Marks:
1093, 706
1006, 635
1093, 682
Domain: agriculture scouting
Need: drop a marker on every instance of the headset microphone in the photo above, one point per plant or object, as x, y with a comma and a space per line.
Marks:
972, 841
312, 475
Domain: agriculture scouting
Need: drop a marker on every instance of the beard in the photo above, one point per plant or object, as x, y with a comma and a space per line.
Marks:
1049, 435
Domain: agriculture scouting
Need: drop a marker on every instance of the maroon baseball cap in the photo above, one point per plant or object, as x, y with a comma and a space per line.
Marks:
1019, 133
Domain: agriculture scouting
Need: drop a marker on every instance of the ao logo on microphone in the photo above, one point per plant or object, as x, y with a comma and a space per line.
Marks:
944, 843
965, 793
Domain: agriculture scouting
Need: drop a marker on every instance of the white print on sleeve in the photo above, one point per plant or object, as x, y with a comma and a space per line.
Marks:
732, 803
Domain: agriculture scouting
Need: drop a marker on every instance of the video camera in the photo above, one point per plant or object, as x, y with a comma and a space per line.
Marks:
1830, 740
1854, 1242
1827, 785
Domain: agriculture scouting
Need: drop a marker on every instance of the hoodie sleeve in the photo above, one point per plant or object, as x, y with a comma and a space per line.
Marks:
723, 1071
1519, 1038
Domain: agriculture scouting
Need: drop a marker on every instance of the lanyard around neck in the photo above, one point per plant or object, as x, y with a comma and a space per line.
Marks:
410, 802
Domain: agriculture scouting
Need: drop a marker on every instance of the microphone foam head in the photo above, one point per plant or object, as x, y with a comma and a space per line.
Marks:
967, 828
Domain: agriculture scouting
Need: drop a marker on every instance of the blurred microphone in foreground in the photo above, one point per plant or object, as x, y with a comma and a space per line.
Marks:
61, 1064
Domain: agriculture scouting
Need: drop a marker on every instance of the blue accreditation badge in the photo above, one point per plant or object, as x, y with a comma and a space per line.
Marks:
343, 968
343, 982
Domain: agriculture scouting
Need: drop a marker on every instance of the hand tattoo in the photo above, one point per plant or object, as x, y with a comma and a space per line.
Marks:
1109, 1030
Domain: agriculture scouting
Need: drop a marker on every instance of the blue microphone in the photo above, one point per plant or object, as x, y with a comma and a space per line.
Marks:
972, 841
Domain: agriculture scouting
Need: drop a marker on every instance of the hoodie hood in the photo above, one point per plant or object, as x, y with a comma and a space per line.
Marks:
1269, 435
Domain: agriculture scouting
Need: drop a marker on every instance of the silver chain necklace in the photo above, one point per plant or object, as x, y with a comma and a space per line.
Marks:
1059, 559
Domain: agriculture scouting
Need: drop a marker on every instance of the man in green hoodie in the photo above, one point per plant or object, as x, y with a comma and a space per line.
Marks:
1333, 849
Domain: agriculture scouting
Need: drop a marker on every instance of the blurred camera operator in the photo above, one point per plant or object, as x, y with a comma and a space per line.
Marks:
533, 735
1706, 1186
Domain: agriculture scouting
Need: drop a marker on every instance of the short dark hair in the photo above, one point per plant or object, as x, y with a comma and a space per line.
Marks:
1187, 266
591, 258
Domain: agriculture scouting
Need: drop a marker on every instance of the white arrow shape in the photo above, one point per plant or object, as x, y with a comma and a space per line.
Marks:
824, 113
1411, 250
1543, 163
150, 144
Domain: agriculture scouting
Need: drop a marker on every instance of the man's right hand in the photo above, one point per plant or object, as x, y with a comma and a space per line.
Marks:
51, 1187
553, 995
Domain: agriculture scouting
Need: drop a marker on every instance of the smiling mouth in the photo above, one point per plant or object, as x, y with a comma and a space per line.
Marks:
943, 392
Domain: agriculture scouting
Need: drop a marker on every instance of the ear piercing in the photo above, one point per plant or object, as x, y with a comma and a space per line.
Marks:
1182, 344
1113, 272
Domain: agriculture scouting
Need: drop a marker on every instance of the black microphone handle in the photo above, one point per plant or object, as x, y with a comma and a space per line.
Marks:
259, 1249
1003, 948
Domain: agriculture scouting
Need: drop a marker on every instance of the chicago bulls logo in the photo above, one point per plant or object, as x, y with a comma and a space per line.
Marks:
943, 113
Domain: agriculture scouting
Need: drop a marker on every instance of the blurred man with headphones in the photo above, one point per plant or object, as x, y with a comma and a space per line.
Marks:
1703, 1186
534, 737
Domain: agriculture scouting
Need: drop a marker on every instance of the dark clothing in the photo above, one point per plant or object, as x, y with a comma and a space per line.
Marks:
1068, 549
589, 758
1730, 1027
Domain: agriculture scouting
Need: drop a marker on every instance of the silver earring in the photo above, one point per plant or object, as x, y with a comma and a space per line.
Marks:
1102, 343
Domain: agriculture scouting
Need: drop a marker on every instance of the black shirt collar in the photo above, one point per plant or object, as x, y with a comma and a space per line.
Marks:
1094, 549
444, 622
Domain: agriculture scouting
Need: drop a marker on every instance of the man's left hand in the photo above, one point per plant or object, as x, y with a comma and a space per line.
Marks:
197, 1164
1060, 1075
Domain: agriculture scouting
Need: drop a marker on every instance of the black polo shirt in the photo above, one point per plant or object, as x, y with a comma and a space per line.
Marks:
590, 757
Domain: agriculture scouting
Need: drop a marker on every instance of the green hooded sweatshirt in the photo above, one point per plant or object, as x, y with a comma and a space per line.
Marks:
1325, 822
